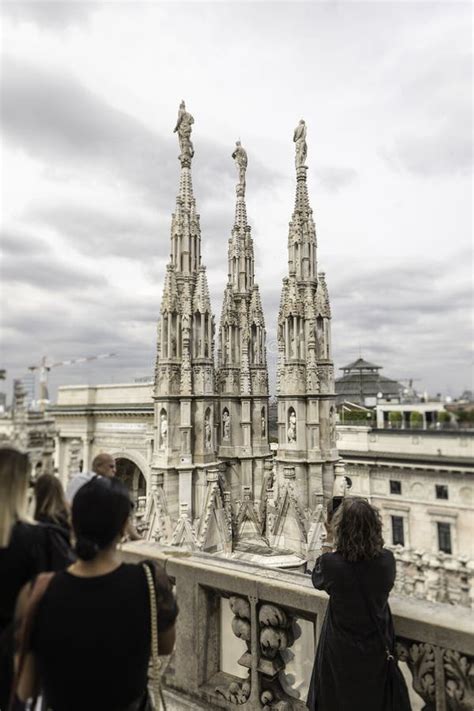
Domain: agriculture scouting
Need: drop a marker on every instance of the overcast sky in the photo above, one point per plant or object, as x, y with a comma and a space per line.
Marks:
90, 93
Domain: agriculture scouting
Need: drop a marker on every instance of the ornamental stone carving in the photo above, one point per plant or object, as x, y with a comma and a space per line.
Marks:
291, 431
299, 138
183, 128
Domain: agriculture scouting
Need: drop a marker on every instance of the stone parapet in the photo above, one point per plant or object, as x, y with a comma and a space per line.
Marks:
246, 637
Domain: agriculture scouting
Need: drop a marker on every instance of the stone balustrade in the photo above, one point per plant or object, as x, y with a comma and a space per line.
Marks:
246, 638
434, 577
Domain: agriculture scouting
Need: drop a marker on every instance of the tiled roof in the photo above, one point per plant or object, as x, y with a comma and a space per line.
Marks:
360, 364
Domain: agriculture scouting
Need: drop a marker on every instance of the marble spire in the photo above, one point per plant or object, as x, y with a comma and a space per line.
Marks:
242, 367
305, 373
186, 327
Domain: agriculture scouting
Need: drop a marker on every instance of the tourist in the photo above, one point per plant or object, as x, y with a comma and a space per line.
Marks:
355, 666
50, 502
90, 640
102, 465
23, 551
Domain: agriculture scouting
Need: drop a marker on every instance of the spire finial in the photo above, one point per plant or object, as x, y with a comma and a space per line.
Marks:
183, 128
241, 160
299, 138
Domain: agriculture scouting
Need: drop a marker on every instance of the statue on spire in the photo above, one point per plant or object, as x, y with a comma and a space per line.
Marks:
241, 160
299, 138
183, 128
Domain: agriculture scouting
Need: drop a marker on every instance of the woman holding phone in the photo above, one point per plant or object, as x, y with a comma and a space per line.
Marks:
355, 666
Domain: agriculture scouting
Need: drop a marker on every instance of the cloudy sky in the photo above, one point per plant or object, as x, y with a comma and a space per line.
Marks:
89, 98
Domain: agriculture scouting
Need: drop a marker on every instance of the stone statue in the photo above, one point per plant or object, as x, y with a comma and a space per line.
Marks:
183, 128
163, 430
207, 434
299, 138
264, 424
240, 157
292, 427
226, 425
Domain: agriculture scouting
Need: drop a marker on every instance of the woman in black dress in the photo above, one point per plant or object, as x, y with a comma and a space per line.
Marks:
23, 552
352, 670
90, 640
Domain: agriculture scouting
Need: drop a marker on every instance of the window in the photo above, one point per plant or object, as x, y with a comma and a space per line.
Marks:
395, 487
444, 537
441, 491
398, 533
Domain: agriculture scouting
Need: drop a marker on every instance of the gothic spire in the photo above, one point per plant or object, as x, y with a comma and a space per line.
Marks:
185, 228
302, 235
242, 329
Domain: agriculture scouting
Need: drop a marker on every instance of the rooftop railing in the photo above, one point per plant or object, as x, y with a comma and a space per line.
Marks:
246, 637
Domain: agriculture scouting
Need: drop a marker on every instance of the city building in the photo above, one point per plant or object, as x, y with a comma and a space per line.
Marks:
362, 384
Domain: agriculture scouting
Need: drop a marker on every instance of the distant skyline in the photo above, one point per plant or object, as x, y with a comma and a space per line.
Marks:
89, 98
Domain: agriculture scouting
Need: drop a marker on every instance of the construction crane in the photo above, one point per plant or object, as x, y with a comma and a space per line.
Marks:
45, 367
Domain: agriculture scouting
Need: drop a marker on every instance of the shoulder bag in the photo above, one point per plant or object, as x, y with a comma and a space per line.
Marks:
38, 589
155, 691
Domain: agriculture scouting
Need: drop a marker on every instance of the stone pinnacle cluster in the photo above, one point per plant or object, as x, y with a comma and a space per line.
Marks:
216, 485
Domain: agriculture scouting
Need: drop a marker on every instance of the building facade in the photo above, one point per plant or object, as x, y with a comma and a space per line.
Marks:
422, 482
362, 384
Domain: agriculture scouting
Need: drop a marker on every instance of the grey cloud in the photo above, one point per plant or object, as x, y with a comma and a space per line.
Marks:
103, 233
40, 270
59, 14
15, 242
436, 95
333, 178
57, 119
448, 151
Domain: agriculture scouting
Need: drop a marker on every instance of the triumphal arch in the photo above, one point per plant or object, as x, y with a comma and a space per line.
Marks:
193, 444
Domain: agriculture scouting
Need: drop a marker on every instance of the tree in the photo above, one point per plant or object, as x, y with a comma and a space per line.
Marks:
395, 418
416, 419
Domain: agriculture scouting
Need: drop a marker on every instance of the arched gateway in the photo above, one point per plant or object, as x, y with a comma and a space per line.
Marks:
133, 472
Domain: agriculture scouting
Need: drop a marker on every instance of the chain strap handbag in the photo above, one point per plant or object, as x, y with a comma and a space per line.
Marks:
154, 686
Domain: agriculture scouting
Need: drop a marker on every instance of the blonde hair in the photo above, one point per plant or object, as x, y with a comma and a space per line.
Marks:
14, 477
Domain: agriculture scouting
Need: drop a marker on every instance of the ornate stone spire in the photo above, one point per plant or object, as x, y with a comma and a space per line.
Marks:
242, 330
185, 228
186, 324
296, 321
305, 375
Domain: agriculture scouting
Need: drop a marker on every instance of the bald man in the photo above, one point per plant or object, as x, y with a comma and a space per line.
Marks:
102, 465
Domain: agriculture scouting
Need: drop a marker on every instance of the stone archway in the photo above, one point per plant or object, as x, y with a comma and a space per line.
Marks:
132, 476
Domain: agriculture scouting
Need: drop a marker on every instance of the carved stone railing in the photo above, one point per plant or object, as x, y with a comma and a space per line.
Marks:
246, 638
435, 577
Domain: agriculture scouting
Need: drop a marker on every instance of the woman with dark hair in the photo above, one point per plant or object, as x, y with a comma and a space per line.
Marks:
90, 639
50, 502
355, 666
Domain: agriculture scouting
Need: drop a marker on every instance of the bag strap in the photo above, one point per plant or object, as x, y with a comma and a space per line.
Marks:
37, 592
372, 615
154, 650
